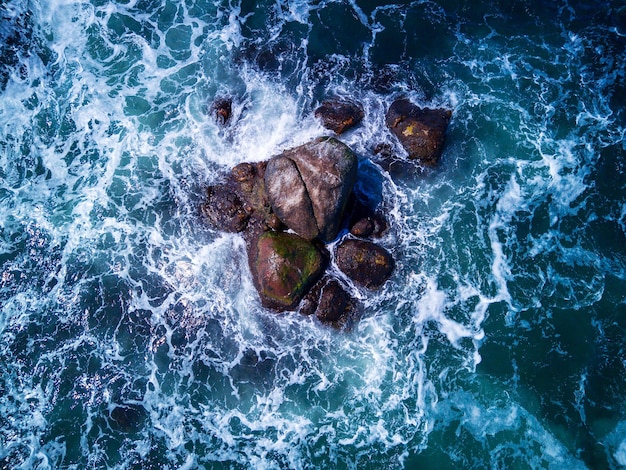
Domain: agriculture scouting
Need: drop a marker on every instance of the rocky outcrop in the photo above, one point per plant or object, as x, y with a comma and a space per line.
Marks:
289, 206
367, 264
308, 187
284, 266
339, 115
421, 131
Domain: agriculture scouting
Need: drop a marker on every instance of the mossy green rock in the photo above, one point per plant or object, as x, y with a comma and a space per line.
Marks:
284, 266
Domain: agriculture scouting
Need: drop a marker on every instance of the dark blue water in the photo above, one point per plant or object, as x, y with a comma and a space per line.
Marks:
131, 335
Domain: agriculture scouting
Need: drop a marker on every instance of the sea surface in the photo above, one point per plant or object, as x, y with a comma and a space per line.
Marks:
131, 336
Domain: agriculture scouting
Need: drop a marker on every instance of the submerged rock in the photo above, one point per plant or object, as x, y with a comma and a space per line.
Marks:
129, 418
308, 187
421, 131
366, 263
284, 266
339, 115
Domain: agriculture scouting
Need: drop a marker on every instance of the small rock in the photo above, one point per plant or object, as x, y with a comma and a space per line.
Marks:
421, 131
335, 304
243, 172
362, 228
225, 209
366, 263
339, 115
330, 303
366, 223
222, 108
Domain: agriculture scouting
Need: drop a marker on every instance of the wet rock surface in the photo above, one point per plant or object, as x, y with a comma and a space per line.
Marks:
222, 110
339, 115
330, 303
421, 131
366, 263
308, 186
284, 266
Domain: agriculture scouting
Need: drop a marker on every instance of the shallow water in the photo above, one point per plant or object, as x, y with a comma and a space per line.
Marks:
131, 334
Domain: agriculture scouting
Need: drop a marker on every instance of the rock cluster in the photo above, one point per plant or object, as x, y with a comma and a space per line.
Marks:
289, 207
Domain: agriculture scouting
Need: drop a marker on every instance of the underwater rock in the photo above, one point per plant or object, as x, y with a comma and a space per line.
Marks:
129, 418
308, 187
339, 115
284, 266
421, 131
366, 263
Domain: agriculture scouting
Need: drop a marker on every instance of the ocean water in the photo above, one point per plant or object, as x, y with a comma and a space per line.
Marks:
131, 336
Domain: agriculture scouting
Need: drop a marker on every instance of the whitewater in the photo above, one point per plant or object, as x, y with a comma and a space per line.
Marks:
131, 335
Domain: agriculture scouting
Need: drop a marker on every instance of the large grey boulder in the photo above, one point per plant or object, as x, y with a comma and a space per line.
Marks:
308, 187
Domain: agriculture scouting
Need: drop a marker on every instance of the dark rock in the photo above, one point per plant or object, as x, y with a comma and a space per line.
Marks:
129, 418
421, 131
243, 172
335, 304
365, 222
222, 108
366, 263
284, 266
308, 187
362, 228
330, 303
240, 204
225, 209
339, 115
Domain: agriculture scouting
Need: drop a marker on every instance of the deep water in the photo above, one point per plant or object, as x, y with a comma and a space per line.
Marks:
131, 336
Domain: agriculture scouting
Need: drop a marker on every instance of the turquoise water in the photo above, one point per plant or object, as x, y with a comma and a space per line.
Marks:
131, 335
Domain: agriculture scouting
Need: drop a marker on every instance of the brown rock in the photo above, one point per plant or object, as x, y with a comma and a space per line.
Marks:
330, 303
240, 204
284, 266
366, 263
339, 115
225, 209
421, 131
365, 222
222, 108
335, 304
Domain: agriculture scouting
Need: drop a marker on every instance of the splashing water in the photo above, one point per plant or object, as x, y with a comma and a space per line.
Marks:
132, 336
